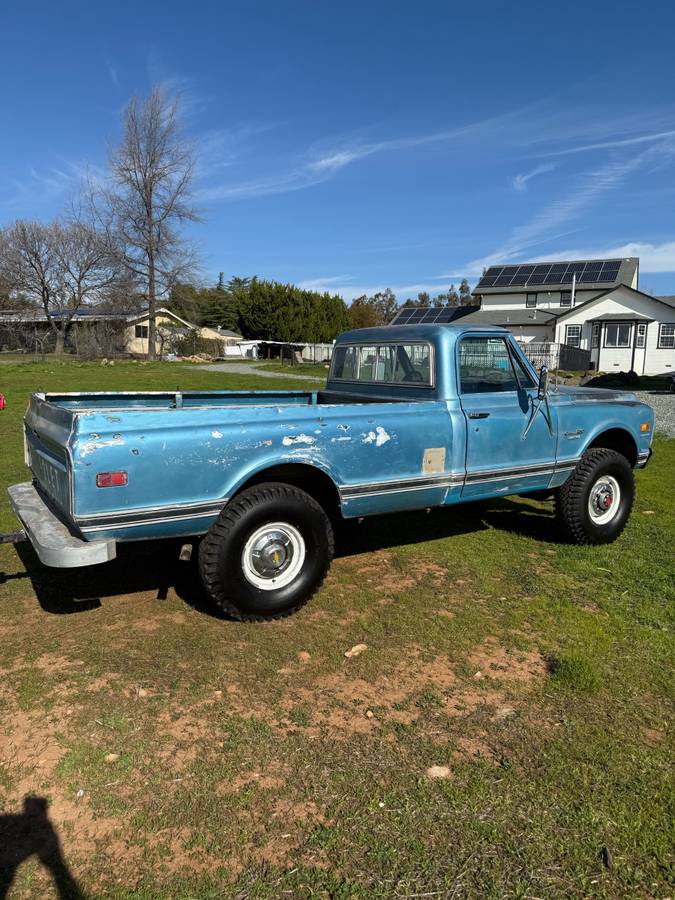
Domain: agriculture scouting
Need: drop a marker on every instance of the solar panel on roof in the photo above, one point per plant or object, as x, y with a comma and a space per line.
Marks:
561, 273
426, 315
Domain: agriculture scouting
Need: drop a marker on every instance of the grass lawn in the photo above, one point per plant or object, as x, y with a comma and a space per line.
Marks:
183, 755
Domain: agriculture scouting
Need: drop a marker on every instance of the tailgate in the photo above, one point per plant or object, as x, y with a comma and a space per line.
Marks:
47, 431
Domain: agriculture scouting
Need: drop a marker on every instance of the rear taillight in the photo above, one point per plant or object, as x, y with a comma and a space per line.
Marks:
111, 479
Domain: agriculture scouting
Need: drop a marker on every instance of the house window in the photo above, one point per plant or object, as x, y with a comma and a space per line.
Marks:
565, 298
641, 335
667, 337
531, 301
595, 336
617, 334
573, 335
141, 331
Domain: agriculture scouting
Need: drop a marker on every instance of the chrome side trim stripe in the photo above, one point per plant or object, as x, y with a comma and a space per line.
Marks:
420, 483
149, 515
453, 479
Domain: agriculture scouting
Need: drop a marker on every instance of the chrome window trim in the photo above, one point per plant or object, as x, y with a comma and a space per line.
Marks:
510, 350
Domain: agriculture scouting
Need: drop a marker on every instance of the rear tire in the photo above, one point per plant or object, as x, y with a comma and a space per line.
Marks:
594, 504
267, 553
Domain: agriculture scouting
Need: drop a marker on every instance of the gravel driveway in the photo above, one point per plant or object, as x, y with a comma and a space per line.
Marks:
251, 368
664, 410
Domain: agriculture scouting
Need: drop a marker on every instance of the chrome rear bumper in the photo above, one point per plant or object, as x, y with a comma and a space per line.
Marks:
54, 542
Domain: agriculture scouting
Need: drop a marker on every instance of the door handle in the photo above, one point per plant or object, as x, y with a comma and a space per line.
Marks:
479, 415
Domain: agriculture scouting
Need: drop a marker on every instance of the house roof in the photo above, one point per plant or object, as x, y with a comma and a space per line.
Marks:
669, 301
87, 314
589, 274
574, 309
508, 317
162, 310
621, 317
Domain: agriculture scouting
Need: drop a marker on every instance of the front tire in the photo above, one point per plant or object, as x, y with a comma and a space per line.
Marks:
594, 504
267, 553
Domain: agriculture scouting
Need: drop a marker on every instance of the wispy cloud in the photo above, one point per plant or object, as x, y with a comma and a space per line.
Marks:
50, 184
345, 286
323, 160
112, 73
614, 144
519, 182
588, 189
531, 127
654, 258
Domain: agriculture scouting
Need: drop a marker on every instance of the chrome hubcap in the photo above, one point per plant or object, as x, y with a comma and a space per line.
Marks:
273, 555
603, 500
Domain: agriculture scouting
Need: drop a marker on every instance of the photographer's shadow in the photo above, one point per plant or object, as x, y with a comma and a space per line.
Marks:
31, 833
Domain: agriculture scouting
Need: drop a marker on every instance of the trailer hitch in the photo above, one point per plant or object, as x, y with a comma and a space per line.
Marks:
13, 537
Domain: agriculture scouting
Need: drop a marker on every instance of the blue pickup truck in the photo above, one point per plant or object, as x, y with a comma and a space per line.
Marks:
411, 417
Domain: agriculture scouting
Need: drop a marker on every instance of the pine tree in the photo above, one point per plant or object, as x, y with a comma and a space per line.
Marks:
465, 293
453, 296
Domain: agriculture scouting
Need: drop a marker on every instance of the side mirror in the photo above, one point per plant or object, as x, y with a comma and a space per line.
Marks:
543, 383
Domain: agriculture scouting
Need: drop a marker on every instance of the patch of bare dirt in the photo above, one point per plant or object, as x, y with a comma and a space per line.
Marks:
101, 682
49, 662
381, 574
273, 778
29, 750
426, 568
470, 699
492, 660
342, 705
185, 856
474, 747
653, 736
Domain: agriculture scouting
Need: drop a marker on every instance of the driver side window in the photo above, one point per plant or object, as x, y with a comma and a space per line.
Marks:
485, 366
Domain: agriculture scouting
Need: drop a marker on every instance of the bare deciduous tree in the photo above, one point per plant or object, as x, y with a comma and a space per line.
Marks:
149, 199
59, 266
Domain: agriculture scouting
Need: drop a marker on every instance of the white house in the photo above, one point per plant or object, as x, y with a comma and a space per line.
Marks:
594, 305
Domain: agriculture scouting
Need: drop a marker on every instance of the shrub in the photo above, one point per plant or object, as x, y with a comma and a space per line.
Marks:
576, 672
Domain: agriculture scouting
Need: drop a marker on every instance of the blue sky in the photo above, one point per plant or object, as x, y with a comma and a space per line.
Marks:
355, 146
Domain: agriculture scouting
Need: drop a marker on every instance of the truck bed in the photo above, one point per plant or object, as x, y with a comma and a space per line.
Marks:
184, 453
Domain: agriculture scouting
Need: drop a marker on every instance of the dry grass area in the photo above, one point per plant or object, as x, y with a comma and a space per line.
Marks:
502, 730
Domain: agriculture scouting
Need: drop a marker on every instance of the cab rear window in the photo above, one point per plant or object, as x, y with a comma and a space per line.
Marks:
383, 364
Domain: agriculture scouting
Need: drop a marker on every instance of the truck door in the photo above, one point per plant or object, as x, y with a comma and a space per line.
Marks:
498, 394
